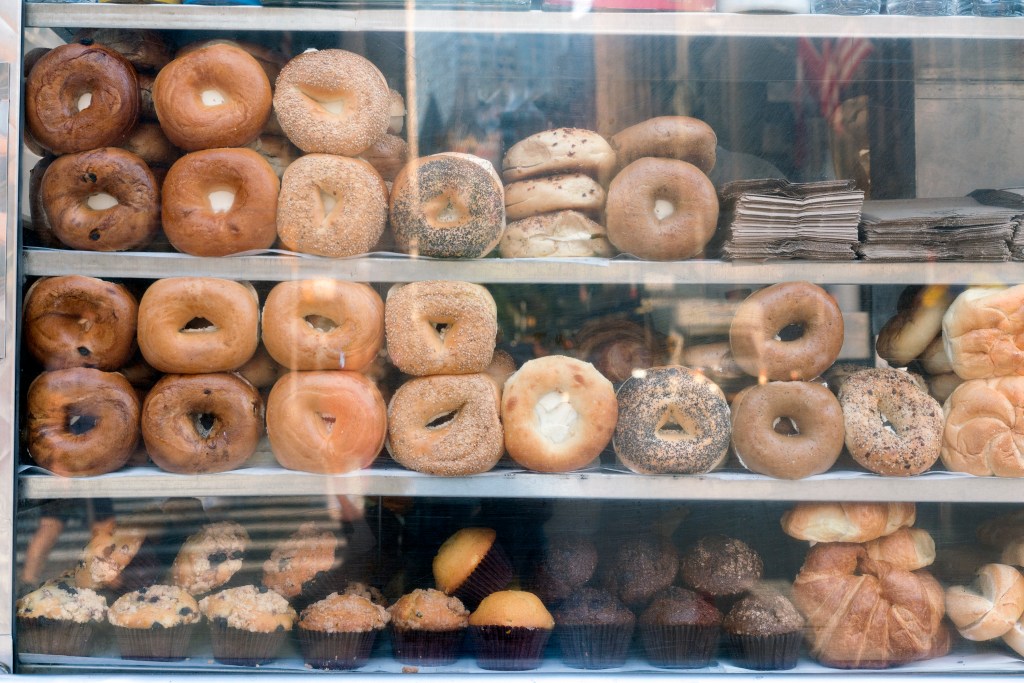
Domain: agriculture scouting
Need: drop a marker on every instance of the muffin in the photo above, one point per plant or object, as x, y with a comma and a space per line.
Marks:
59, 619
427, 627
567, 564
365, 590
248, 625
765, 629
154, 623
680, 629
509, 631
471, 565
116, 559
594, 629
300, 567
639, 568
720, 566
208, 559
338, 631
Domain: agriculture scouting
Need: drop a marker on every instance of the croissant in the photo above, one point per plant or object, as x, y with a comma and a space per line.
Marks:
846, 522
868, 614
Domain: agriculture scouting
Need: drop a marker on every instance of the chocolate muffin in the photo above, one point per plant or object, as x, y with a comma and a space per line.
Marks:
567, 564
679, 629
720, 566
765, 629
594, 629
639, 568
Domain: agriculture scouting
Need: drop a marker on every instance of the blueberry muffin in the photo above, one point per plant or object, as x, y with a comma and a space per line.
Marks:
154, 623
365, 590
427, 627
248, 625
60, 619
300, 567
208, 559
114, 559
594, 629
338, 632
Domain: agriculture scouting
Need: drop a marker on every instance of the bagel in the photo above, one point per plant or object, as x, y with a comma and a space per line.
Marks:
941, 387
447, 206
81, 422
934, 359
149, 143
990, 607
327, 422
323, 325
502, 367
618, 347
331, 206
563, 150
41, 231
332, 102
387, 156
276, 150
145, 50
983, 330
198, 424
446, 425
983, 433
810, 447
218, 202
192, 325
918, 321
77, 321
440, 327
102, 200
147, 109
661, 209
558, 234
81, 97
216, 96
573, 191
874, 399
673, 137
396, 109
756, 329
261, 370
715, 361
846, 522
672, 420
559, 413
271, 61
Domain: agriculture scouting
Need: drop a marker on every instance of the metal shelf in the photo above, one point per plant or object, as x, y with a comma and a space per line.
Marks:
526, 271
149, 482
490, 21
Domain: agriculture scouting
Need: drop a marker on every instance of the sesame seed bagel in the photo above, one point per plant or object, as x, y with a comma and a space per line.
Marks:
447, 206
446, 425
332, 102
672, 420
872, 397
388, 155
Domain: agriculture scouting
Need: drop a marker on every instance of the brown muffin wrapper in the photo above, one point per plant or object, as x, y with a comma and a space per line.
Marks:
594, 646
154, 644
144, 570
322, 650
492, 574
58, 636
509, 648
244, 648
426, 648
682, 647
767, 653
317, 588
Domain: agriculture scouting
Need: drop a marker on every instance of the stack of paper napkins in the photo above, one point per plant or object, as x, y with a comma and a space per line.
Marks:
954, 229
772, 219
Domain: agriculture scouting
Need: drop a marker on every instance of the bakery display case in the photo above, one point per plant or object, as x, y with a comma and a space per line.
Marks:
543, 344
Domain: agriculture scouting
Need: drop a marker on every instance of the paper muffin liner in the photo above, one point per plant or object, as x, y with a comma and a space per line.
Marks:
143, 571
492, 574
42, 635
683, 647
323, 650
766, 653
509, 648
426, 648
594, 646
317, 588
154, 644
244, 648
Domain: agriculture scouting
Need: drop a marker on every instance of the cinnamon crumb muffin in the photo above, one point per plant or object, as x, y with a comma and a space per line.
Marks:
154, 623
209, 558
248, 625
60, 619
427, 627
338, 631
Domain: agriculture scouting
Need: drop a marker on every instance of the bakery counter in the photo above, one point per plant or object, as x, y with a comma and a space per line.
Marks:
195, 17
402, 268
592, 483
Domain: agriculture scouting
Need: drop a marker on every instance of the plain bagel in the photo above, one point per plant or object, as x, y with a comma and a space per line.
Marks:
557, 234
672, 137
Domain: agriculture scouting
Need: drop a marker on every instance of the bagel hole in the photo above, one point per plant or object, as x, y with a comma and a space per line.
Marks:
328, 201
449, 214
441, 329
101, 201
663, 208
328, 421
320, 323
221, 200
442, 420
790, 332
84, 101
212, 98
81, 424
335, 106
204, 424
556, 416
887, 425
675, 426
785, 426
198, 324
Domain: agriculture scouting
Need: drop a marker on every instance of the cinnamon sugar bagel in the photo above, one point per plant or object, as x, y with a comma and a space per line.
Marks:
80, 97
216, 96
446, 425
332, 102
78, 321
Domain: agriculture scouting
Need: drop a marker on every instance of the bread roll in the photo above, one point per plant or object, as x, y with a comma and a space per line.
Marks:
848, 522
984, 332
991, 607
